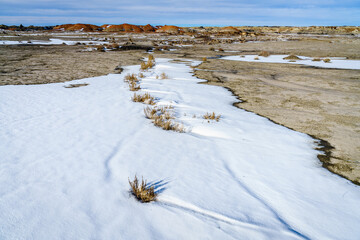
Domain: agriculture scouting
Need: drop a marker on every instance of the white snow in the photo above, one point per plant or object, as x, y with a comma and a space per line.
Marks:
67, 154
334, 63
52, 41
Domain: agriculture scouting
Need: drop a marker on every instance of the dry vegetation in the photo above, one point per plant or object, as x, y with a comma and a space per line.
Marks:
292, 57
326, 60
162, 117
264, 54
163, 76
144, 98
212, 116
149, 64
142, 192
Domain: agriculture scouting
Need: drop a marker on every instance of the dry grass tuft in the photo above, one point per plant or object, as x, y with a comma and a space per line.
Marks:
212, 116
264, 54
163, 76
141, 75
326, 60
204, 59
145, 98
256, 58
131, 78
142, 191
133, 86
221, 50
316, 60
211, 49
162, 117
149, 64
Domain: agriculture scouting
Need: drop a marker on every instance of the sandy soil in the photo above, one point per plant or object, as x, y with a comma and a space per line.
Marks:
324, 103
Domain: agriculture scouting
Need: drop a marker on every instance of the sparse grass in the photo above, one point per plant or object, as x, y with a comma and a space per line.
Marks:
149, 64
145, 98
163, 76
75, 85
133, 86
131, 78
264, 54
212, 116
142, 192
326, 60
162, 117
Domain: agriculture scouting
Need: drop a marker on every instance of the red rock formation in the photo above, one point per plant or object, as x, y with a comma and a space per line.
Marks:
148, 28
229, 30
123, 28
78, 27
170, 29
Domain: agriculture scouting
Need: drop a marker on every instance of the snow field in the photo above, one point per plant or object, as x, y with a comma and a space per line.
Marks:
67, 154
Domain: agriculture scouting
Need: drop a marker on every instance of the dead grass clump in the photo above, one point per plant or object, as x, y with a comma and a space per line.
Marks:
141, 75
100, 48
211, 49
133, 86
264, 54
204, 59
326, 60
151, 58
131, 78
145, 98
221, 50
163, 76
142, 192
75, 85
256, 58
162, 117
292, 57
316, 60
212, 116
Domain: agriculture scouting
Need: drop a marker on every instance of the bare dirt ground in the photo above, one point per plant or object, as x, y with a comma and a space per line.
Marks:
324, 103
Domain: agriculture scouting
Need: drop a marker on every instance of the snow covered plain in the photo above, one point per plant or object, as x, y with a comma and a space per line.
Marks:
334, 63
67, 154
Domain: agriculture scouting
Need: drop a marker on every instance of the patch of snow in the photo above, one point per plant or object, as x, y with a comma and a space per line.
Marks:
52, 41
67, 154
336, 62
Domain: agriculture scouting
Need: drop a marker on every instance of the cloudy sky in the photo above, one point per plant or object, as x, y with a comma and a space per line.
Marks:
182, 12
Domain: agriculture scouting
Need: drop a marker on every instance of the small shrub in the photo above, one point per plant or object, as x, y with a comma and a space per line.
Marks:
145, 98
212, 116
142, 191
326, 60
264, 54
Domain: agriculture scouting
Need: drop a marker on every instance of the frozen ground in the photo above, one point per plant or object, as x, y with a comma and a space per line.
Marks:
334, 63
52, 41
67, 154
